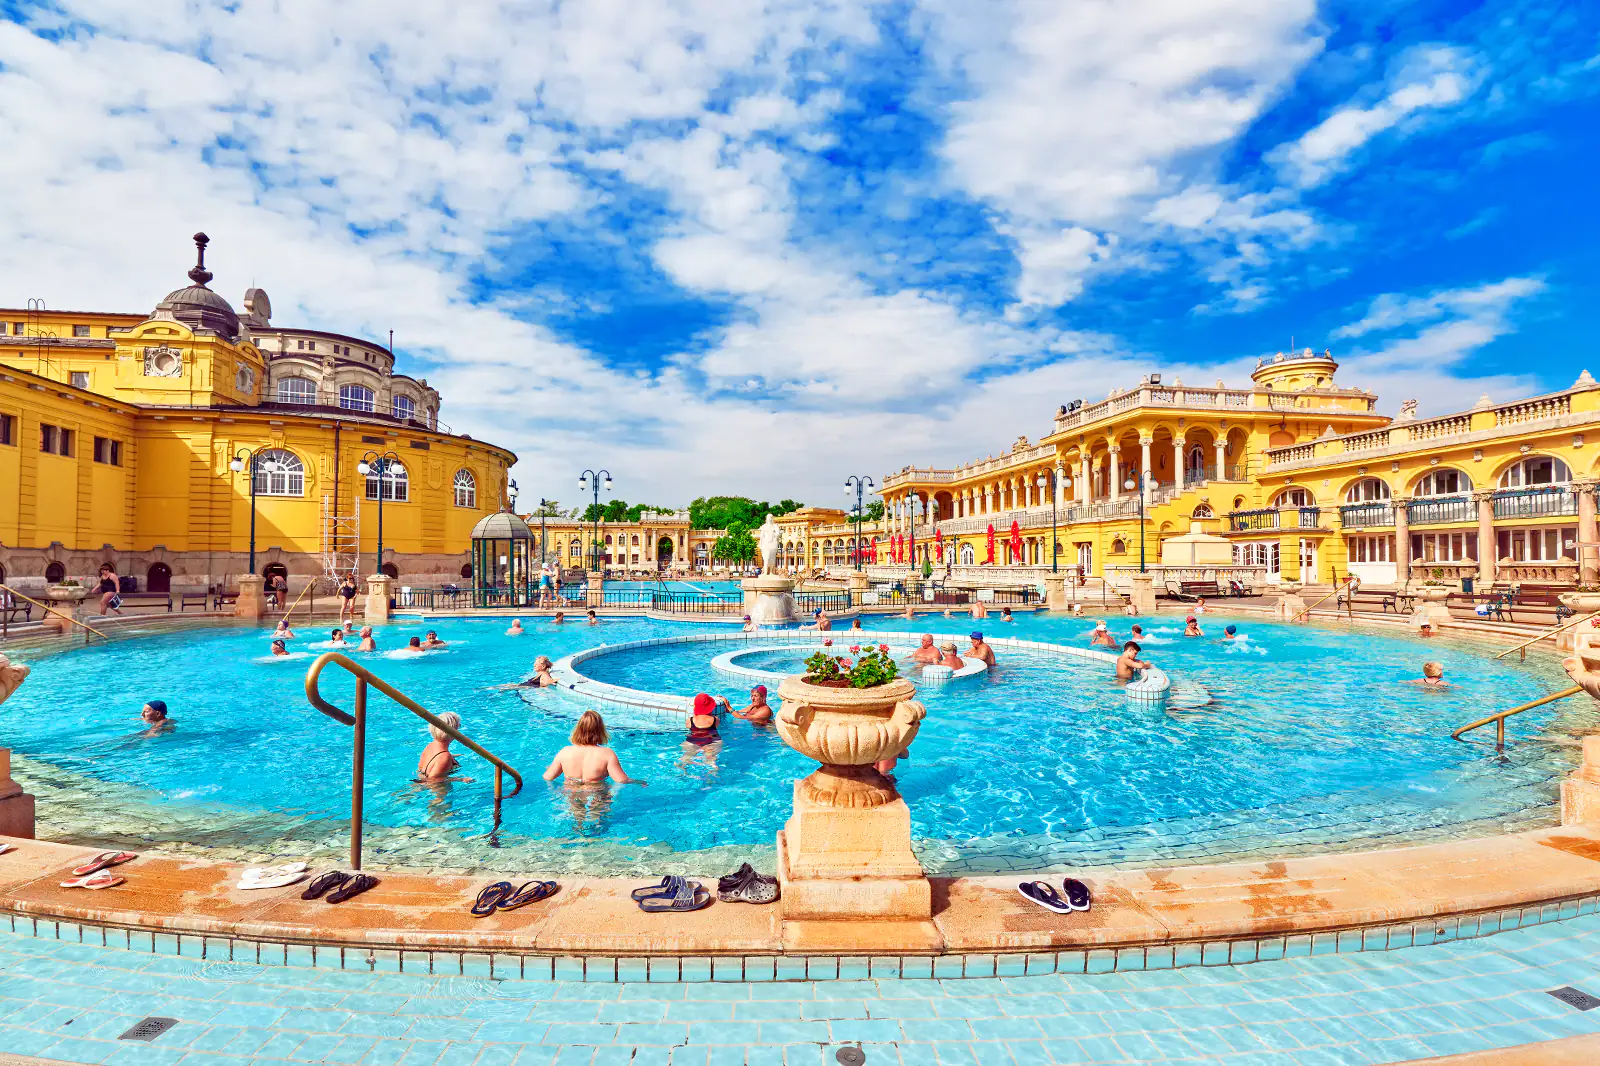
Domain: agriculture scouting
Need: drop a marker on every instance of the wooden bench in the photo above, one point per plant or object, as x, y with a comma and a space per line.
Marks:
12, 609
145, 599
1397, 600
1540, 596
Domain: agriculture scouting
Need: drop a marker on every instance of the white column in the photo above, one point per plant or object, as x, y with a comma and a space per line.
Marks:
1177, 463
1083, 491
1144, 467
1027, 491
1116, 474
1222, 458
1061, 484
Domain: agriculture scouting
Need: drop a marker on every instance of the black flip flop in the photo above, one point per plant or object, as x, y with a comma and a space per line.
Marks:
324, 882
357, 885
1045, 896
1078, 897
490, 898
532, 892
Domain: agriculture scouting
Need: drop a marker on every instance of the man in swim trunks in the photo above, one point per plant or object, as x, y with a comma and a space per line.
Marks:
1128, 663
978, 610
587, 761
593, 619
1136, 632
926, 652
1102, 635
760, 711
950, 658
980, 650
347, 593
516, 629
433, 641
368, 642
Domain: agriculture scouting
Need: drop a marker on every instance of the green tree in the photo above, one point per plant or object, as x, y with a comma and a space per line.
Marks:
549, 509
720, 512
735, 546
872, 512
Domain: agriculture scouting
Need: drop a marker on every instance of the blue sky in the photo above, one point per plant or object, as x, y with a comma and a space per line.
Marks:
756, 246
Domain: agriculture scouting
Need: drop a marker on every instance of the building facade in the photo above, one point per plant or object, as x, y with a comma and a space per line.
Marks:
660, 540
1301, 474
119, 434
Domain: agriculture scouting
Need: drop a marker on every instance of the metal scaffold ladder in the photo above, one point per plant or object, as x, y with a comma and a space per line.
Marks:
341, 542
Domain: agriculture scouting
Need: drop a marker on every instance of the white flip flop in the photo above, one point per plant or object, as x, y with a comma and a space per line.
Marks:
274, 871
281, 880
95, 881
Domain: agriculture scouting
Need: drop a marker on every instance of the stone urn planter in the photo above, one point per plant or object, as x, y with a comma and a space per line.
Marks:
1581, 602
847, 730
849, 880
1433, 593
72, 594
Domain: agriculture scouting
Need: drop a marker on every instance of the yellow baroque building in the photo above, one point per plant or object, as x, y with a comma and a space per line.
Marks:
119, 434
1300, 474
660, 540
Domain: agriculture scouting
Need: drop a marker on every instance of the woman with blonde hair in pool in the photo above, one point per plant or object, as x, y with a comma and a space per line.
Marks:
1432, 676
436, 763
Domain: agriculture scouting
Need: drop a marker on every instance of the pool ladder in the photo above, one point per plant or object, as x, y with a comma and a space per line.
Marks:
1499, 717
358, 719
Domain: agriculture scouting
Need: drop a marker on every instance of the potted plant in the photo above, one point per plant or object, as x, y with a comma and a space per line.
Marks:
66, 591
847, 715
1585, 599
1434, 589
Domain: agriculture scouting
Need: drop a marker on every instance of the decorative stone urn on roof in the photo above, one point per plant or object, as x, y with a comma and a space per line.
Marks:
850, 881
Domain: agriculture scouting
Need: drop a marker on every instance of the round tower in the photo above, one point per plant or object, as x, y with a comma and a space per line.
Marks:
1296, 371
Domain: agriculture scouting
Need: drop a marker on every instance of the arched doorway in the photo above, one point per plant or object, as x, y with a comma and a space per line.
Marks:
55, 573
272, 570
391, 569
663, 551
158, 578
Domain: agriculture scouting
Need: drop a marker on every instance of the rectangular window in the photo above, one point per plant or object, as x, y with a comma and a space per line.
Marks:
66, 443
1537, 545
19, 328
108, 451
1372, 549
80, 331
8, 430
1444, 547
80, 379
49, 438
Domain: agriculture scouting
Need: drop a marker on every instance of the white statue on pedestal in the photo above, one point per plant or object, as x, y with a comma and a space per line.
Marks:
767, 537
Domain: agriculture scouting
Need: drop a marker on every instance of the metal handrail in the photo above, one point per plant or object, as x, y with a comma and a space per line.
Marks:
1500, 718
365, 677
1560, 628
52, 610
1306, 613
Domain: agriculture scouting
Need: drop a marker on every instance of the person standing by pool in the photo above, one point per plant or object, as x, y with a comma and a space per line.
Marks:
110, 601
1102, 635
760, 711
347, 596
545, 594
926, 653
587, 760
980, 650
436, 763
368, 641
1128, 663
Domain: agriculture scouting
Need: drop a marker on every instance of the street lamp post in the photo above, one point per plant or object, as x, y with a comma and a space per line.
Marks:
250, 456
1138, 483
911, 527
861, 485
1048, 480
544, 505
384, 463
584, 481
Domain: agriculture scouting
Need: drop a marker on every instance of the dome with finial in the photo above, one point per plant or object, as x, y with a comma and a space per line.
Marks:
197, 306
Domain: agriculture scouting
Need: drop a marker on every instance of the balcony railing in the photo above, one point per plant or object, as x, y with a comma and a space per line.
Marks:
1363, 515
1275, 518
1535, 503
1439, 512
1243, 521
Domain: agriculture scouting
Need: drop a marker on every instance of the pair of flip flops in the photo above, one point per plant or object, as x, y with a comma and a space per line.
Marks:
1077, 895
103, 879
278, 876
502, 896
339, 886
102, 861
673, 893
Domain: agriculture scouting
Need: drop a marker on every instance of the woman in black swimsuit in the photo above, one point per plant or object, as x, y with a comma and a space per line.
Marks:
109, 600
436, 763
347, 589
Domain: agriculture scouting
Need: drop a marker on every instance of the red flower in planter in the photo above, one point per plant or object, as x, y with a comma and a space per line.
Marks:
884, 648
827, 643
854, 648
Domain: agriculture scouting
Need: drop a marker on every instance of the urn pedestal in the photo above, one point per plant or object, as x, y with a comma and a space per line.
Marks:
68, 601
1290, 607
380, 593
769, 599
16, 806
1142, 596
858, 584
594, 589
850, 882
252, 603
1430, 609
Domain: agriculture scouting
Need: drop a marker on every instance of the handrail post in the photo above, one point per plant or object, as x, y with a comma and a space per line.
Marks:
1500, 733
357, 772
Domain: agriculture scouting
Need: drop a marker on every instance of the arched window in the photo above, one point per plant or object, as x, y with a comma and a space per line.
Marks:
158, 578
55, 573
1294, 496
388, 477
636, 540
356, 398
968, 556
279, 473
466, 489
297, 390
576, 550
1368, 490
1118, 547
405, 407
1202, 511
1444, 482
1536, 470
427, 419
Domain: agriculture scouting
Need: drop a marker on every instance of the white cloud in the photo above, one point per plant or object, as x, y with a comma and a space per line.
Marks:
1427, 78
1489, 303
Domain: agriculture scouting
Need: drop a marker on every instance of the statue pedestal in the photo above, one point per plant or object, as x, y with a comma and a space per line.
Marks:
1142, 598
251, 603
1430, 609
380, 588
1580, 790
594, 589
769, 599
16, 806
1055, 592
1290, 607
858, 584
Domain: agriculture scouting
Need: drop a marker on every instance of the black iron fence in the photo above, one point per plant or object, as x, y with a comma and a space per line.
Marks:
696, 603
1438, 512
1535, 503
830, 601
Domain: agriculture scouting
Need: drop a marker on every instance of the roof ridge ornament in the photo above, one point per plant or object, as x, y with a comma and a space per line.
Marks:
198, 273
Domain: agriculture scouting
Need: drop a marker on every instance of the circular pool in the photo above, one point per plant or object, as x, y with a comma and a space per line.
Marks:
1312, 741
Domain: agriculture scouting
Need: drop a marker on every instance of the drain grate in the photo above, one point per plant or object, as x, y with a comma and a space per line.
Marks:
148, 1029
1572, 997
850, 1056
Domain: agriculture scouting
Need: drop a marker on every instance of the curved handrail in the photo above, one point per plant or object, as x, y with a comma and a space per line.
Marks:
362, 673
52, 610
1499, 718
1560, 627
365, 677
1335, 592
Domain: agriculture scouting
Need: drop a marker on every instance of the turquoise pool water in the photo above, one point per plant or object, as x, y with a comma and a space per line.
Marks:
718, 589
1312, 741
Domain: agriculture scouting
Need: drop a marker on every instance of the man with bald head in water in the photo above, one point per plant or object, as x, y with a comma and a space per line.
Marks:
926, 653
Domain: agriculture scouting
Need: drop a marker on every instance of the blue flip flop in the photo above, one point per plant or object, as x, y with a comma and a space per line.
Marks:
690, 896
1045, 896
668, 886
532, 892
491, 897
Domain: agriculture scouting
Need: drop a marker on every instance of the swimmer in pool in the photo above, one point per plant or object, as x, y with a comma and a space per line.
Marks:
855, 625
283, 632
1425, 630
760, 711
368, 641
516, 629
336, 637
1102, 635
587, 760
1128, 663
949, 657
278, 648
560, 618
978, 610
948, 613
926, 653
980, 650
1229, 633
414, 644
1136, 632
1432, 676
1200, 605
822, 624
1191, 627
1005, 615
154, 714
432, 641
593, 619
909, 614
749, 626
540, 678
436, 763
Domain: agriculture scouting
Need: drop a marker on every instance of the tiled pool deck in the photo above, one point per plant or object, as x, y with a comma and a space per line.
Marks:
70, 1001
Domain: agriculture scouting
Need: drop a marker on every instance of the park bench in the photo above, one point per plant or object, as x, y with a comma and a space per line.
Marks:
1397, 600
1537, 598
146, 599
13, 609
